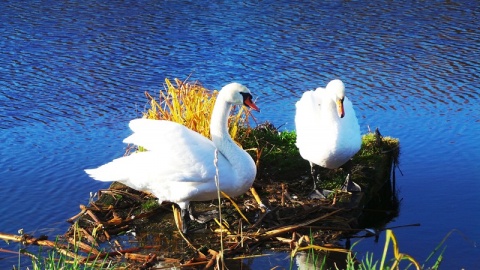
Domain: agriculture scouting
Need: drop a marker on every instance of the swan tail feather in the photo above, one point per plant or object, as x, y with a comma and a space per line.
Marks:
116, 170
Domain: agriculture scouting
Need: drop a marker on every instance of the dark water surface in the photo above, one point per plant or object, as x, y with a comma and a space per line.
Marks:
73, 73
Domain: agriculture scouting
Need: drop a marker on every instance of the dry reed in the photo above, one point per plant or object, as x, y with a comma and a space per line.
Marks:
191, 105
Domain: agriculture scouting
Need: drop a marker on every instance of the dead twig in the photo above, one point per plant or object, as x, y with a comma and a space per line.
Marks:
273, 233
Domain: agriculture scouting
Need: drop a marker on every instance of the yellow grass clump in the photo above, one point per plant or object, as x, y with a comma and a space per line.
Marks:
191, 105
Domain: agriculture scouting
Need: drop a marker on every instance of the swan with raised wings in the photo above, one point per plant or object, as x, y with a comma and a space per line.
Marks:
178, 165
327, 129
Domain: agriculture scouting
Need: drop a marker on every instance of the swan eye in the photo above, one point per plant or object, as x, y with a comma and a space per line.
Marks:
246, 96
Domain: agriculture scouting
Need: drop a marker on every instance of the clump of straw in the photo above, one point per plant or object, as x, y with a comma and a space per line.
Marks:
191, 105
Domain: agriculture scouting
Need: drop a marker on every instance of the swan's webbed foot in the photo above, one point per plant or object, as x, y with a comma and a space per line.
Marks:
186, 213
200, 217
350, 186
319, 193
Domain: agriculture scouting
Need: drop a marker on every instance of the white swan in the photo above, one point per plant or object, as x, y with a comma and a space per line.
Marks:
179, 164
327, 129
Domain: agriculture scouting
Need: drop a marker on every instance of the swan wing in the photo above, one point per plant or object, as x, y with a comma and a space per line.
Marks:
158, 134
179, 163
308, 119
173, 152
178, 173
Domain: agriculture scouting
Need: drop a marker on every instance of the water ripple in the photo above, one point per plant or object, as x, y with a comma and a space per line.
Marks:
72, 73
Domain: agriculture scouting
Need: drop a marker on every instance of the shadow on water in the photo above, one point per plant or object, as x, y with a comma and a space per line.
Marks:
382, 207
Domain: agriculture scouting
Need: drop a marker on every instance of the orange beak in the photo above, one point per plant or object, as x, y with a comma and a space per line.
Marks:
251, 104
340, 110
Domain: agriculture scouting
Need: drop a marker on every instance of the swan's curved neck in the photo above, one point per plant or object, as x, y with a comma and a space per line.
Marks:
219, 127
237, 157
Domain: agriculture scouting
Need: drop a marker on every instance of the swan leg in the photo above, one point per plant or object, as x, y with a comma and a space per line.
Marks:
317, 193
314, 170
186, 213
183, 215
180, 217
190, 212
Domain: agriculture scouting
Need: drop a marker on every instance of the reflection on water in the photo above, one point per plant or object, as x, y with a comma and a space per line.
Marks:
72, 74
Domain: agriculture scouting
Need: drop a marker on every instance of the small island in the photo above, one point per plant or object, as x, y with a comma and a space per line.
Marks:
129, 229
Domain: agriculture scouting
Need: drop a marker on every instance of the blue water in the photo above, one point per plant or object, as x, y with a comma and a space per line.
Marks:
73, 73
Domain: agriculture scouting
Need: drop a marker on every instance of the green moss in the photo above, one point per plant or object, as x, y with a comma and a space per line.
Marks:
150, 204
375, 160
278, 159
277, 156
